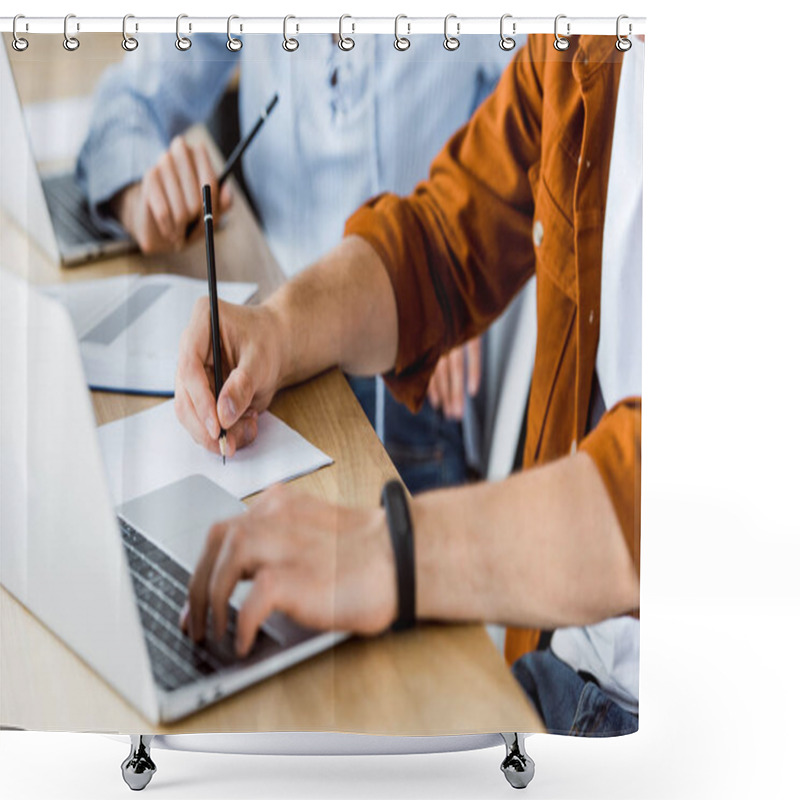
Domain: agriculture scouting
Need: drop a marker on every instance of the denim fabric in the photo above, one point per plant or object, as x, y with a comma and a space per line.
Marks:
567, 702
426, 449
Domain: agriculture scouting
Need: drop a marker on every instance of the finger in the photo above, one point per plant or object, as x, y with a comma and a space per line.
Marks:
434, 388
194, 380
188, 417
257, 606
157, 204
207, 175
230, 566
191, 376
172, 188
225, 197
235, 397
195, 620
186, 169
243, 433
445, 384
474, 366
457, 383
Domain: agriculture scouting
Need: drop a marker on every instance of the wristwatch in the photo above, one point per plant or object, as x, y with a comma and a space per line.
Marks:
401, 532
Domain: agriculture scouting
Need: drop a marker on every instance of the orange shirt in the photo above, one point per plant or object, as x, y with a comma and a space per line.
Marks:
521, 188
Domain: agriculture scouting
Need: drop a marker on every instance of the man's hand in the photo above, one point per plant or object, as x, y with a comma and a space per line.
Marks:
446, 389
251, 367
157, 210
326, 566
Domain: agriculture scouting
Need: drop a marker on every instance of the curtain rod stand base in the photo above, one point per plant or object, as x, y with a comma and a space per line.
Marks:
517, 766
138, 768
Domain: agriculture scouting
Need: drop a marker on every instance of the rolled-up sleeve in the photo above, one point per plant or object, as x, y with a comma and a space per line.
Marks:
615, 446
140, 105
459, 247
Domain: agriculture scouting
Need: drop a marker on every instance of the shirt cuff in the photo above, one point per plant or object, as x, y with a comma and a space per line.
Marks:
110, 160
388, 225
615, 446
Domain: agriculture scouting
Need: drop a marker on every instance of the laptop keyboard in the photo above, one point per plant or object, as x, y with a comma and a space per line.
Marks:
70, 211
161, 587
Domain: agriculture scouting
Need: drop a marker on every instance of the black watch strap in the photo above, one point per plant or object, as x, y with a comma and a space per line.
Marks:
401, 532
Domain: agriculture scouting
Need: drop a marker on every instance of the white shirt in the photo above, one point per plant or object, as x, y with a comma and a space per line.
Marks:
609, 650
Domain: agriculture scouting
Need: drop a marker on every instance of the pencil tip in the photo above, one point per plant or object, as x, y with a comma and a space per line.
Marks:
223, 447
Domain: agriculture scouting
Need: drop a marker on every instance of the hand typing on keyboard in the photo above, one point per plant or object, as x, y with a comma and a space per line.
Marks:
326, 566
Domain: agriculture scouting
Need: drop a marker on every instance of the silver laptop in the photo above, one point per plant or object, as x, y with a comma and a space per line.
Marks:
51, 209
110, 582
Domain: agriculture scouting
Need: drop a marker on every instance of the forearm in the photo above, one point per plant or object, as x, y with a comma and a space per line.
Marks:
540, 549
339, 312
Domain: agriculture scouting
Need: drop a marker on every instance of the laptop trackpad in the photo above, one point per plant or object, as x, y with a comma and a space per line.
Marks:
177, 517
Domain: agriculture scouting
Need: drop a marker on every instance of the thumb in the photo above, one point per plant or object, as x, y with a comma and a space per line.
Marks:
225, 197
235, 397
473, 366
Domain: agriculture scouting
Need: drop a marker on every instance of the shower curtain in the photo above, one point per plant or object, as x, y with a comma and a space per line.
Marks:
488, 199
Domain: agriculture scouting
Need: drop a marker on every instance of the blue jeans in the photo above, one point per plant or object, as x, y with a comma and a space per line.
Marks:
567, 702
426, 449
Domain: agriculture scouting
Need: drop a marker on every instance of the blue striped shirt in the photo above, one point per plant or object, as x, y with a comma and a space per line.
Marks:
348, 125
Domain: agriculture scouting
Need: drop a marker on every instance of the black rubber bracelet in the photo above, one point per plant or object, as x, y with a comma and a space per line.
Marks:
401, 532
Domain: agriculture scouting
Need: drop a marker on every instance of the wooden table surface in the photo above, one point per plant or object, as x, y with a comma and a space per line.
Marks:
434, 680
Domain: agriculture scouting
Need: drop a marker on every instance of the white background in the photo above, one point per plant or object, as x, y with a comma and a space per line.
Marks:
720, 554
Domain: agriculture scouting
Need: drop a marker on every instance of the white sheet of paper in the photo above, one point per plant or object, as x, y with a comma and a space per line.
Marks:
151, 449
139, 352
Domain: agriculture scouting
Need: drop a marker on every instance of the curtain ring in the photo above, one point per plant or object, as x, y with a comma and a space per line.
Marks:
506, 42
345, 42
451, 43
71, 43
129, 43
289, 45
18, 43
400, 42
560, 42
623, 42
233, 44
182, 42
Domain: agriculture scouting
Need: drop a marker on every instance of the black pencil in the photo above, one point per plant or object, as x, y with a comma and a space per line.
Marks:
216, 350
233, 158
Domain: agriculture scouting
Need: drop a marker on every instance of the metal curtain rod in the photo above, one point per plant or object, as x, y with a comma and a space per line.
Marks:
459, 26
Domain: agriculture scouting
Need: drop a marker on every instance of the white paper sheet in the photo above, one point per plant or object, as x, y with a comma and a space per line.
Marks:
151, 449
141, 352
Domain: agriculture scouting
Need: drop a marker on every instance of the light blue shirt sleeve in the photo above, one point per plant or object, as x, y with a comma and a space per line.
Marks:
349, 125
140, 104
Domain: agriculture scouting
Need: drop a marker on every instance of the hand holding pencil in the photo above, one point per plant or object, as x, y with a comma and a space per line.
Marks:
249, 339
162, 210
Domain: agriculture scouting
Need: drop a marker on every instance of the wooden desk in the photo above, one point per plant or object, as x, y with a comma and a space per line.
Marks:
438, 679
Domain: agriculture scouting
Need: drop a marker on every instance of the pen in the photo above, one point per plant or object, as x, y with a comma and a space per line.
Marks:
233, 158
208, 222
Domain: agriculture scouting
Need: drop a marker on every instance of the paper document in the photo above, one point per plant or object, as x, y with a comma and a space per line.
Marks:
129, 327
151, 449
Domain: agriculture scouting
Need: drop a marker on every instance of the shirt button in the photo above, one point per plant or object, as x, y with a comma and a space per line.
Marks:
591, 316
538, 232
573, 447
